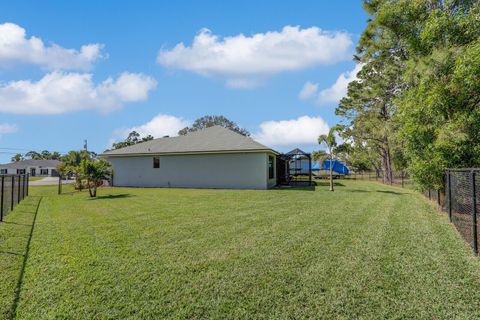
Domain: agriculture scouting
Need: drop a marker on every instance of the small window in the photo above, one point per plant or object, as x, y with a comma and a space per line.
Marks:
156, 162
20, 171
44, 172
271, 173
3, 171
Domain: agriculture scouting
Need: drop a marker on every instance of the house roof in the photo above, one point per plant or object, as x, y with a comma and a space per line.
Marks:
31, 163
214, 139
297, 151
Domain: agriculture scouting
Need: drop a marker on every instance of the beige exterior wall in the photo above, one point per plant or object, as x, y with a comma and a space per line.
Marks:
228, 171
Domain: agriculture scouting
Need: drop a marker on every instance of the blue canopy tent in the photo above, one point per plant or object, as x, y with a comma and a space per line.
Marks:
337, 167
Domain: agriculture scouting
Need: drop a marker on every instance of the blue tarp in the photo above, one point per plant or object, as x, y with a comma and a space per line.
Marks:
338, 167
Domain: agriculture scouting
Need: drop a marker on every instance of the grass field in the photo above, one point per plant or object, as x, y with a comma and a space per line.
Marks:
366, 251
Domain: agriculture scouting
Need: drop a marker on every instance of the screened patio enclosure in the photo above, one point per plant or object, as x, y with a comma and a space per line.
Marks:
294, 168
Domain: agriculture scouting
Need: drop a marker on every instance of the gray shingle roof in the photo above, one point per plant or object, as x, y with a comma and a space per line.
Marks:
213, 139
31, 163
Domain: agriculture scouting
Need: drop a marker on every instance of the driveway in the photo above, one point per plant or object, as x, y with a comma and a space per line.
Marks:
48, 181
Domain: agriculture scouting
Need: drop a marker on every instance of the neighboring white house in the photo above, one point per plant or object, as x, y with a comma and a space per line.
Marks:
46, 168
210, 158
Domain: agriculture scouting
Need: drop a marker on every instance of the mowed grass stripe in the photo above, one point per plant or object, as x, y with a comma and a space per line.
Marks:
365, 251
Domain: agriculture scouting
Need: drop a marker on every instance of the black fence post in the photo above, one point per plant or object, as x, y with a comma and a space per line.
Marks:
19, 188
24, 186
13, 192
28, 182
401, 174
474, 214
449, 187
429, 195
59, 184
2, 190
438, 198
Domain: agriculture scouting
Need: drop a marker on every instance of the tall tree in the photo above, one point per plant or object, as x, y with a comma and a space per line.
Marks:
210, 121
17, 157
132, 139
417, 98
33, 155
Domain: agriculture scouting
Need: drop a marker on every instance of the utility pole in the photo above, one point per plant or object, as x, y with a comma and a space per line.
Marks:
85, 145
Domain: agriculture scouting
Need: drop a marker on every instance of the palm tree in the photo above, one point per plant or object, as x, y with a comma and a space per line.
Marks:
94, 171
330, 142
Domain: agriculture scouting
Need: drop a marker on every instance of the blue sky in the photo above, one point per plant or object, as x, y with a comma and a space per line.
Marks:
281, 80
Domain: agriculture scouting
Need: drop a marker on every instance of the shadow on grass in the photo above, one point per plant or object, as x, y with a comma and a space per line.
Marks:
10, 252
18, 288
391, 192
295, 188
327, 184
112, 196
18, 224
379, 191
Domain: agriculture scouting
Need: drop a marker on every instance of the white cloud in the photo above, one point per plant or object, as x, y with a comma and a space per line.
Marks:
242, 59
16, 48
159, 126
308, 91
60, 92
303, 130
332, 94
7, 128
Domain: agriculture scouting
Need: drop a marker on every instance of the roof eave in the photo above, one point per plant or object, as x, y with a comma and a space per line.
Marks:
139, 154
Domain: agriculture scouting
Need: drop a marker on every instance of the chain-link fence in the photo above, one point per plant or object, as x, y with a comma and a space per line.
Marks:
399, 178
460, 198
13, 189
462, 190
461, 201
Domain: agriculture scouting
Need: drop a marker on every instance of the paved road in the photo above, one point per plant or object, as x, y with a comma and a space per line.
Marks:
48, 181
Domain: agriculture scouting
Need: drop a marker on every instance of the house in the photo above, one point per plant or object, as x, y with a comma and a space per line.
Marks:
214, 157
32, 167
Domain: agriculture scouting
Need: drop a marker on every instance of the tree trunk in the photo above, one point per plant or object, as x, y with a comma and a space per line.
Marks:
89, 188
331, 172
386, 163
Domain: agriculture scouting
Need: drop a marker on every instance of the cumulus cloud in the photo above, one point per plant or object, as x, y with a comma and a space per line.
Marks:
303, 130
159, 126
334, 93
308, 91
17, 48
242, 59
7, 128
60, 92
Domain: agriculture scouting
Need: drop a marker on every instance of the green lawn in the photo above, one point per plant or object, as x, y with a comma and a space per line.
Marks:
365, 251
